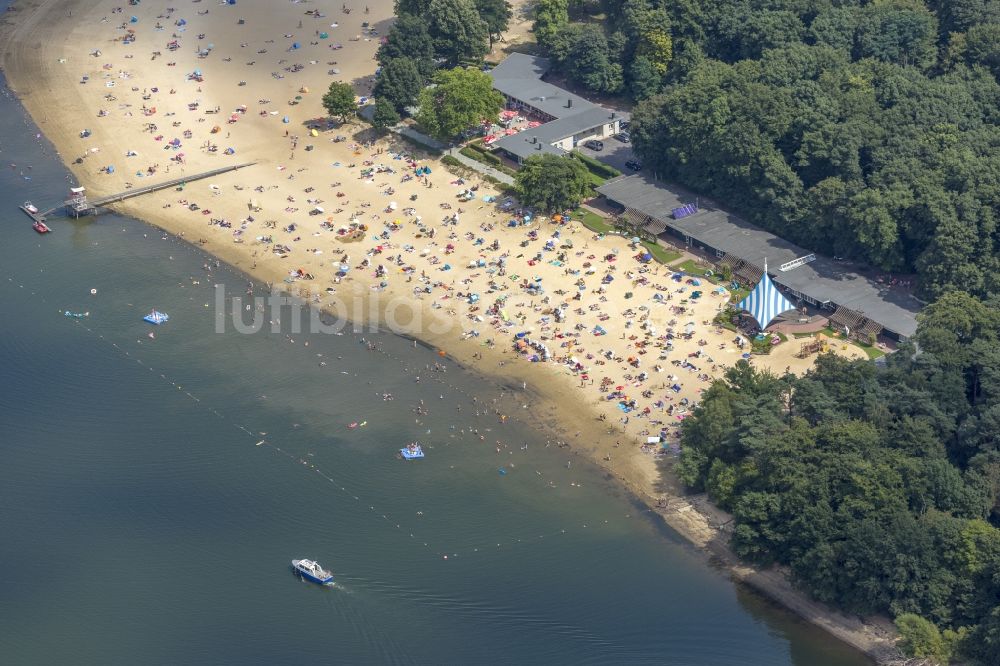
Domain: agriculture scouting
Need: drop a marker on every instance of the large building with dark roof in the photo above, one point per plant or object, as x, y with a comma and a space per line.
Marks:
851, 298
569, 119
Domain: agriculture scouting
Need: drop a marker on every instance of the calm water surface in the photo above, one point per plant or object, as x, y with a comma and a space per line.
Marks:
142, 523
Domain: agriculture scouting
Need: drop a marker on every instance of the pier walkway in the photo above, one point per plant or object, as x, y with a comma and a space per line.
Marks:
146, 189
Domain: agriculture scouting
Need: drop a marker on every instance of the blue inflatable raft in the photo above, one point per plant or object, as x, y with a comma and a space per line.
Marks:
157, 318
411, 452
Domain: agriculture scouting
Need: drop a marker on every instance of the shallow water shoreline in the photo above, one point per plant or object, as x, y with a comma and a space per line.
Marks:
556, 410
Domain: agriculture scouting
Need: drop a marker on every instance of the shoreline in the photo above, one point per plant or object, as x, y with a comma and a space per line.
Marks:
558, 407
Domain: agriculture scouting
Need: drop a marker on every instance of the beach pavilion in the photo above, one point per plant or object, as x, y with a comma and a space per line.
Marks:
765, 302
849, 295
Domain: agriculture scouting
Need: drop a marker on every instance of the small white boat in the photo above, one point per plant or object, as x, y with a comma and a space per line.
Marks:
31, 208
312, 571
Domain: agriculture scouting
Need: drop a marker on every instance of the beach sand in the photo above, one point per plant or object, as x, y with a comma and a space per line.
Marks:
600, 395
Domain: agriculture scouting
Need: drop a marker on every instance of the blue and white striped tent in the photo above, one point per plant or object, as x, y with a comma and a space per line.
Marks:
765, 302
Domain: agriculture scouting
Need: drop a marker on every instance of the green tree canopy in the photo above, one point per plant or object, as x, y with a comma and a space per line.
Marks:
339, 100
458, 32
902, 32
399, 82
552, 182
408, 38
384, 115
920, 638
866, 130
497, 14
412, 7
872, 485
585, 54
550, 17
460, 99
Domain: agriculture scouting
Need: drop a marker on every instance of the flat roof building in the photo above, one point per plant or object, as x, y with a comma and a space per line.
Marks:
568, 119
857, 300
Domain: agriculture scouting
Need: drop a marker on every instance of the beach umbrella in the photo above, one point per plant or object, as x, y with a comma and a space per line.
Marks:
295, 45
285, 119
134, 19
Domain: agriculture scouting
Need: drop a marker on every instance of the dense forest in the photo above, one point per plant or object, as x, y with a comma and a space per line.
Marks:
866, 130
879, 488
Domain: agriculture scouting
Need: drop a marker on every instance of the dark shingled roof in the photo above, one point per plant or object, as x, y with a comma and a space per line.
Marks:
822, 280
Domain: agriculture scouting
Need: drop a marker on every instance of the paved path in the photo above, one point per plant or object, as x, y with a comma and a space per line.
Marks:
420, 138
480, 167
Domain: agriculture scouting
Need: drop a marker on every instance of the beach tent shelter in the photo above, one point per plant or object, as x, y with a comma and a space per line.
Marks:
765, 302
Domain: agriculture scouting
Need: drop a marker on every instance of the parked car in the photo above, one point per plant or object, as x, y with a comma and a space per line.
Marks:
594, 145
624, 125
634, 165
624, 137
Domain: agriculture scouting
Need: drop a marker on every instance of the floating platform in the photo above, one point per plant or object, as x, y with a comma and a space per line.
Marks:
36, 216
157, 318
411, 452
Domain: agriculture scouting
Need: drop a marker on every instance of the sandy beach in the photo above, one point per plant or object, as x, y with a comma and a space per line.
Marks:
609, 350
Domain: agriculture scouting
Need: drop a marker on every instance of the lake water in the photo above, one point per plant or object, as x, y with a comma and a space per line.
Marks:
143, 523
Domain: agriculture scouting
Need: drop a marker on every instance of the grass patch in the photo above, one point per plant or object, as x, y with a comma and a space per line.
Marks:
503, 188
691, 267
475, 151
738, 294
593, 221
836, 338
596, 167
661, 254
595, 181
596, 223
872, 352
452, 162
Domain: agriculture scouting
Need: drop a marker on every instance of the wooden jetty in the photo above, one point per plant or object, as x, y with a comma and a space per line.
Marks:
35, 217
80, 205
